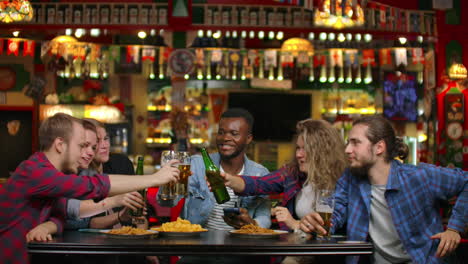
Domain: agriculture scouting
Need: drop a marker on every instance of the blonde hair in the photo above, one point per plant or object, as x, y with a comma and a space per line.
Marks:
325, 150
96, 124
58, 125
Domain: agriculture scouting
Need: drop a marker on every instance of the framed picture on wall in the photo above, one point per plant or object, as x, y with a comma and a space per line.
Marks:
400, 98
16, 138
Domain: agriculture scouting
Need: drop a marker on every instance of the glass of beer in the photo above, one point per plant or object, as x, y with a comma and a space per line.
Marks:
184, 168
168, 191
324, 205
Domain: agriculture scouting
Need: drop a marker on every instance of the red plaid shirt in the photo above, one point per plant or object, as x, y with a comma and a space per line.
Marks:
285, 180
36, 193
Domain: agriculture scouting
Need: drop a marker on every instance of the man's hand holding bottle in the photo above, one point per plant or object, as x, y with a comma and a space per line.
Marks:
232, 181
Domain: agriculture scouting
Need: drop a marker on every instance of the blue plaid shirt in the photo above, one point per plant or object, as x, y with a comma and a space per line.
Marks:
412, 195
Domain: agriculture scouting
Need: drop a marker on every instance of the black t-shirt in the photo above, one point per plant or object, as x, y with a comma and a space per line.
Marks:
118, 164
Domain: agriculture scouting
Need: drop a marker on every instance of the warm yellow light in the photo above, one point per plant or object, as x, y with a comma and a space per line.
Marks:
295, 45
196, 140
457, 71
142, 34
16, 11
64, 39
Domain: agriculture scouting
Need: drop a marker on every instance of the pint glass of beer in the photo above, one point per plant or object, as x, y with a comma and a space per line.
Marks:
324, 205
168, 191
184, 168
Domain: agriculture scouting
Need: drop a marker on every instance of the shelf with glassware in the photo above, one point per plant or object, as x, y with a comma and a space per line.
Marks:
372, 16
116, 119
163, 121
112, 13
354, 15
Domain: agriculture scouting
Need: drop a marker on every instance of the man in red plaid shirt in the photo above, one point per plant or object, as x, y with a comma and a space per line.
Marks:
38, 189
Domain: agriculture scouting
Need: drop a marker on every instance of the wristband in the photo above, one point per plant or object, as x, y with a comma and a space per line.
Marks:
451, 229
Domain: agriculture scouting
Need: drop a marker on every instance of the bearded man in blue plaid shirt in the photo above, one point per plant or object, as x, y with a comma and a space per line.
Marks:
392, 204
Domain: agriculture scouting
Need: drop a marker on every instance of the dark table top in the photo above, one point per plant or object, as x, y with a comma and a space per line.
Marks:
209, 243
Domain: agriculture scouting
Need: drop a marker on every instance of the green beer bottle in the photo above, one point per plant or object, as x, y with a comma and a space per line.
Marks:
139, 171
216, 181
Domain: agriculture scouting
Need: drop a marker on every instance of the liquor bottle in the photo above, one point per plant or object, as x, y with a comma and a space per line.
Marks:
216, 181
139, 171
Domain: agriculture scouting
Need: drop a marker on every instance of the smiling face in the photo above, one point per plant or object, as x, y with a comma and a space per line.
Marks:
103, 146
233, 137
89, 150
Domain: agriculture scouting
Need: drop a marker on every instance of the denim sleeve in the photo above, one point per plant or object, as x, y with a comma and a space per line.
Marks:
73, 209
263, 213
341, 202
447, 183
73, 224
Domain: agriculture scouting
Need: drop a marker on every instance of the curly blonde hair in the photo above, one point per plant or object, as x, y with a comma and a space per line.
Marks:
325, 150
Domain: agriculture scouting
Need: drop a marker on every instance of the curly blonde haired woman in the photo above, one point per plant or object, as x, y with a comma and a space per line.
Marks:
319, 162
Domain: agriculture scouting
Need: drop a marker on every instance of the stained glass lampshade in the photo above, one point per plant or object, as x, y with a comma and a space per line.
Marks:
15, 11
457, 71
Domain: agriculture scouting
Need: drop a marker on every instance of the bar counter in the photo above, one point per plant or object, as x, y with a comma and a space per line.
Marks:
205, 244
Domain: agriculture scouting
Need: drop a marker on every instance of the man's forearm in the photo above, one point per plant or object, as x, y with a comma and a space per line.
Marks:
237, 184
89, 208
125, 183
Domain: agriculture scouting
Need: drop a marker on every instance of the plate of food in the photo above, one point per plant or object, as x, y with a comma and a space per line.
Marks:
127, 232
253, 231
179, 228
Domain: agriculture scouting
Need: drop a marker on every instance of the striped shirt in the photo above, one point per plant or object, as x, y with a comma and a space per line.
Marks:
412, 194
215, 220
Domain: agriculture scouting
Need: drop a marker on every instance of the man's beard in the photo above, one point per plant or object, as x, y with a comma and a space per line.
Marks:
236, 153
361, 172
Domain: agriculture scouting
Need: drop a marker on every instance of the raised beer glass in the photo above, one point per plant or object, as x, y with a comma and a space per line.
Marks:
184, 168
168, 191
324, 205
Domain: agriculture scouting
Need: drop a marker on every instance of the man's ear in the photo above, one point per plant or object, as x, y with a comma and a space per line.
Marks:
249, 138
59, 145
380, 147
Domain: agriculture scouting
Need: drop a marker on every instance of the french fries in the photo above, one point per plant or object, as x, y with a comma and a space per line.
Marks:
254, 229
180, 225
128, 230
